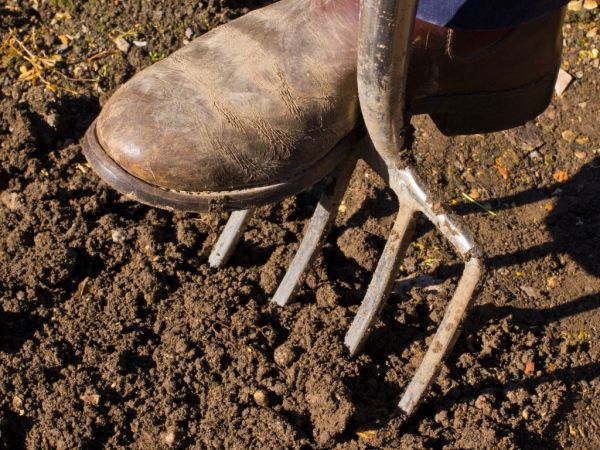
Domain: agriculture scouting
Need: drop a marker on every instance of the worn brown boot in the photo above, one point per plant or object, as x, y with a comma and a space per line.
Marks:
265, 106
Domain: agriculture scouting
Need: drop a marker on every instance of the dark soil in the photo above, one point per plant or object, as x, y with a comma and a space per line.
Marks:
114, 333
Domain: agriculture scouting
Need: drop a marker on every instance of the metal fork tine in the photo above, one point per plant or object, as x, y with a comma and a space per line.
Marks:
316, 231
383, 278
444, 339
229, 238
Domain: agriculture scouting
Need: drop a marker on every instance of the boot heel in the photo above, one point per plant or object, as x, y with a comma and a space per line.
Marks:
491, 111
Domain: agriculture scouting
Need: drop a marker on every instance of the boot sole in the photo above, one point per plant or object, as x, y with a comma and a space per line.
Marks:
238, 199
490, 111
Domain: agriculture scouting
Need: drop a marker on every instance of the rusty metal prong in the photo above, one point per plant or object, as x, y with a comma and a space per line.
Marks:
229, 238
444, 339
384, 276
316, 231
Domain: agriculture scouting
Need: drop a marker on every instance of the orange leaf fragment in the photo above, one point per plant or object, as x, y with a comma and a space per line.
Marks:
503, 171
529, 367
561, 176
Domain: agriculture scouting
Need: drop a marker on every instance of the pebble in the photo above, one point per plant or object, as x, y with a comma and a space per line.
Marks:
122, 44
535, 155
442, 418
118, 236
562, 82
590, 4
575, 5
284, 355
12, 200
531, 291
568, 135
169, 437
188, 33
580, 154
260, 397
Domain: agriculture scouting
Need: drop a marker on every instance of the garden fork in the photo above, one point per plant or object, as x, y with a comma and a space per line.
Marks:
383, 56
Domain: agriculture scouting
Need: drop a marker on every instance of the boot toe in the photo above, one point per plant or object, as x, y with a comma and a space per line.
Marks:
156, 130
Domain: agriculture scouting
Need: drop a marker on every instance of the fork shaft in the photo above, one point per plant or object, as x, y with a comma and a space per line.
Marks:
385, 33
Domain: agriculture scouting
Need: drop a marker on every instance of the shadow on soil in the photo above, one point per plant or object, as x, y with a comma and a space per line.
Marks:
574, 224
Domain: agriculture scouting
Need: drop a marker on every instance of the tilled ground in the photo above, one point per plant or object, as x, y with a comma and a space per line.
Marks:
115, 333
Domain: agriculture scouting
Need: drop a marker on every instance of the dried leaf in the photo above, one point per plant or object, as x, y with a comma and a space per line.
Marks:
366, 434
572, 430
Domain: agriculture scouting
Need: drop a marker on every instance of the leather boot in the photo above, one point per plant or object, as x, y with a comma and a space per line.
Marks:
266, 105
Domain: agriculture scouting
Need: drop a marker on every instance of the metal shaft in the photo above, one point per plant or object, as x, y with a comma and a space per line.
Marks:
385, 33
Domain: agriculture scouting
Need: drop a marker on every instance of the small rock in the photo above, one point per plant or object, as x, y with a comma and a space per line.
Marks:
284, 355
17, 404
562, 82
531, 291
535, 155
442, 418
474, 194
529, 367
593, 32
260, 397
12, 200
590, 4
169, 437
90, 399
118, 236
484, 404
188, 33
140, 43
575, 5
122, 44
580, 154
568, 135
525, 414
